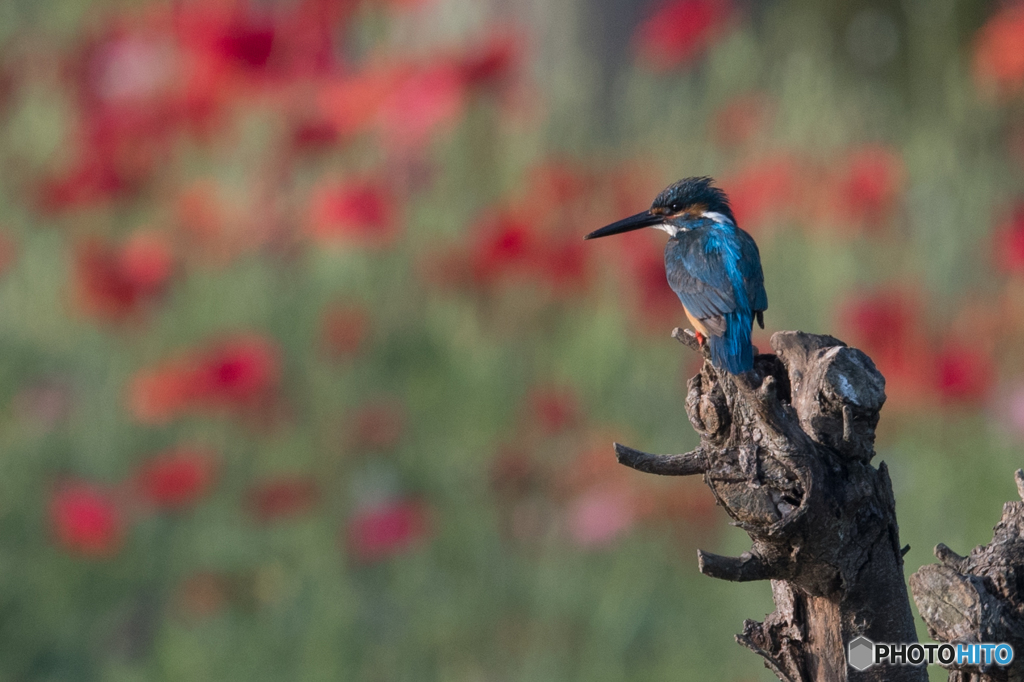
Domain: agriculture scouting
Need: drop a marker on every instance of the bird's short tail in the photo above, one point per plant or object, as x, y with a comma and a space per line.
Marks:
732, 351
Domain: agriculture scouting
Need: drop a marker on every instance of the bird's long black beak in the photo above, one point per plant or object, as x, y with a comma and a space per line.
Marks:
633, 222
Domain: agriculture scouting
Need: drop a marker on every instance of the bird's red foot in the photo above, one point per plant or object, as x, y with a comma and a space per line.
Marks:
700, 337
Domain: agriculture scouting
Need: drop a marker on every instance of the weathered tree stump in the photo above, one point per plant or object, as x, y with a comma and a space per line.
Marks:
786, 449
979, 598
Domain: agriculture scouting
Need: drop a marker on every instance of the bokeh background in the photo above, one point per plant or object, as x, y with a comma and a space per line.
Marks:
307, 374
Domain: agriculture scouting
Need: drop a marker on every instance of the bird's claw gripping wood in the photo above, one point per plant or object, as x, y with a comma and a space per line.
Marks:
689, 339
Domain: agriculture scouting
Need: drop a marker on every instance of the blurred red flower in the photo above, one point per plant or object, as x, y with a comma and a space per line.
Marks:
870, 184
116, 282
344, 329
282, 497
599, 516
312, 135
421, 103
503, 247
564, 264
763, 190
176, 478
85, 520
386, 529
492, 61
87, 182
378, 426
238, 373
680, 31
963, 373
198, 210
352, 102
657, 304
742, 118
888, 327
359, 212
225, 36
237, 370
999, 49
555, 184
554, 409
1008, 242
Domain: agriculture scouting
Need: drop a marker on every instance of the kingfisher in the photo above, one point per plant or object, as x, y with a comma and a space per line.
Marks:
713, 266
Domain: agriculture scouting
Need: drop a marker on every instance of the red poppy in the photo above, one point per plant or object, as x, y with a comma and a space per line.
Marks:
963, 374
314, 135
233, 375
237, 371
999, 49
503, 247
564, 264
763, 190
888, 327
657, 304
360, 213
344, 328
177, 478
556, 183
1008, 242
115, 282
352, 103
198, 211
870, 184
85, 520
282, 497
554, 409
492, 61
87, 182
384, 530
422, 103
680, 31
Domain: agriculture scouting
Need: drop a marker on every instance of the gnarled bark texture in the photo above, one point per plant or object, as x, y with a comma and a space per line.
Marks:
979, 597
786, 449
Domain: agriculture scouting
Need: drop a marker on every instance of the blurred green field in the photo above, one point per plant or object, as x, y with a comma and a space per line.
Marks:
307, 373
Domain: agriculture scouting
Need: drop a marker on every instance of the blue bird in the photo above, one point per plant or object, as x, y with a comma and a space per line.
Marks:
713, 266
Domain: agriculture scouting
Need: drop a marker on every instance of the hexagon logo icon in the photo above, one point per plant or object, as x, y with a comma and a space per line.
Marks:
860, 654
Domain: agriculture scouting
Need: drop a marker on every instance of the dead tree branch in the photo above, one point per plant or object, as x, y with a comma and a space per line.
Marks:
979, 598
786, 449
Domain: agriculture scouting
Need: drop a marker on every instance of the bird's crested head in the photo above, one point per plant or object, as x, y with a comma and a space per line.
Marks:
691, 198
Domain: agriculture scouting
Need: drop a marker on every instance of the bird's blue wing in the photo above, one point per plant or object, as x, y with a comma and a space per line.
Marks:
698, 270
750, 269
717, 276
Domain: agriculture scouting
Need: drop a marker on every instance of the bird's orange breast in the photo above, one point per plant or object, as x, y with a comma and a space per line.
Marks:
697, 324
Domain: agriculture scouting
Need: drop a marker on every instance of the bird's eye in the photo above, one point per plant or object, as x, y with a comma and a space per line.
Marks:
676, 207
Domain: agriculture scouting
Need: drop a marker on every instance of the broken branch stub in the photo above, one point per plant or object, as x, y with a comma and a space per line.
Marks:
786, 450
979, 598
